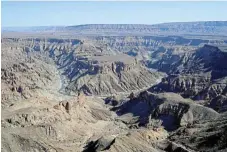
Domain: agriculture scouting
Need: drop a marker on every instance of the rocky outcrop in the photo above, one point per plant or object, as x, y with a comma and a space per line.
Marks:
201, 75
101, 144
183, 110
81, 98
138, 140
219, 103
184, 113
66, 105
43, 124
172, 109
25, 76
205, 135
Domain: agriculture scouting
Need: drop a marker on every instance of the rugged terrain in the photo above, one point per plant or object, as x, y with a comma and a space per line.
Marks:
85, 88
95, 69
200, 75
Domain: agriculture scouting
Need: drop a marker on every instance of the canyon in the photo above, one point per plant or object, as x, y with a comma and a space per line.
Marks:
115, 88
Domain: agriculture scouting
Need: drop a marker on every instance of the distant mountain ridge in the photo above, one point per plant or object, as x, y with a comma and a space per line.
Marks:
135, 26
201, 28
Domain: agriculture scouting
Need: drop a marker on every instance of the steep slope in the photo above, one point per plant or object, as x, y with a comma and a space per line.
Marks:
167, 109
106, 77
201, 75
207, 135
26, 75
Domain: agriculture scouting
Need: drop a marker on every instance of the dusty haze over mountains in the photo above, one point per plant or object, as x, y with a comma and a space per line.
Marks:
115, 87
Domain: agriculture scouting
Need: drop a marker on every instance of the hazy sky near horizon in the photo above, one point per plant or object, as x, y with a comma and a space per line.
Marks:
57, 13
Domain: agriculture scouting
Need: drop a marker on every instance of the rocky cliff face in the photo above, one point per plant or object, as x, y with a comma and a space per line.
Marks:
200, 75
113, 77
173, 110
205, 135
24, 76
159, 52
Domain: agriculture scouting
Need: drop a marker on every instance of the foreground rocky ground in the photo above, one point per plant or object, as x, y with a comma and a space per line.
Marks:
95, 94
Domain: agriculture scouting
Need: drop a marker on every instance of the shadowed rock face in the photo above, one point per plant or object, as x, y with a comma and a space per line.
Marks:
172, 109
205, 135
201, 75
219, 103
138, 140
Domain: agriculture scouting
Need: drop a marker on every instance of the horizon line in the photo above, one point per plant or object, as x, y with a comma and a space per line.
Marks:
112, 24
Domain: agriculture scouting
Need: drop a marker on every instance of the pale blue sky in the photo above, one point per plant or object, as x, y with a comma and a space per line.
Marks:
75, 13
